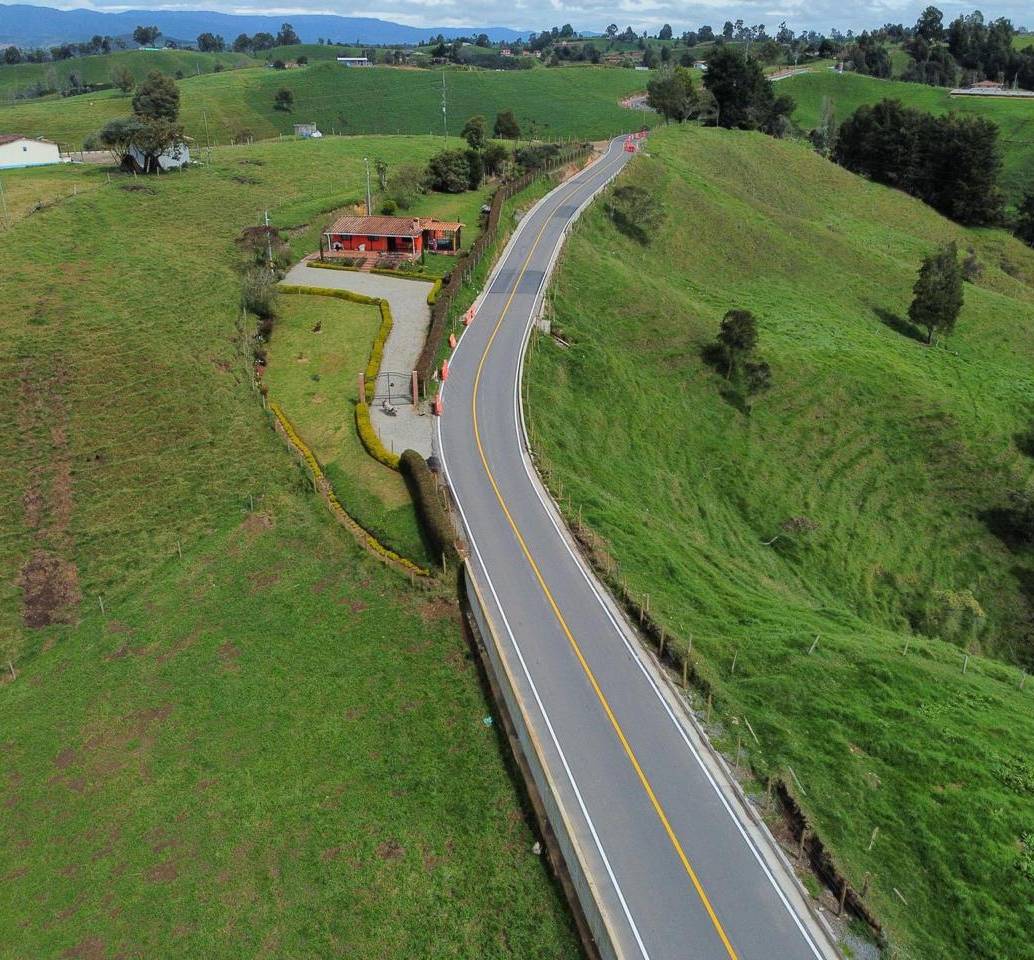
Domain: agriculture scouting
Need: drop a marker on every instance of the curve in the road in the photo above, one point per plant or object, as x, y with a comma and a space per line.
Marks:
648, 822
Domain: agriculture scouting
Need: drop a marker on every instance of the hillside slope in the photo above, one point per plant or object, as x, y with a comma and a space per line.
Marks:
848, 91
895, 451
227, 731
564, 102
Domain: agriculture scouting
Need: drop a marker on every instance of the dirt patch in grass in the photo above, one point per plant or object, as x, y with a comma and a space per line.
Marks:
49, 578
390, 850
229, 656
438, 609
162, 872
90, 948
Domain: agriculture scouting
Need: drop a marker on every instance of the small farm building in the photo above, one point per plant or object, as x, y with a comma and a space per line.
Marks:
19, 151
354, 61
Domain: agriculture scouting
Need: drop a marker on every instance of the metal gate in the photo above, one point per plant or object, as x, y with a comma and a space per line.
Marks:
394, 387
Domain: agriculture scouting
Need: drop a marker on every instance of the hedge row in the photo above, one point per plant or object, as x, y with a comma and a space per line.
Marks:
433, 515
465, 265
373, 365
370, 440
435, 290
361, 534
401, 274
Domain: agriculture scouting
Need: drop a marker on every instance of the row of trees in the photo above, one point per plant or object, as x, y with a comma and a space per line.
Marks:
736, 94
951, 162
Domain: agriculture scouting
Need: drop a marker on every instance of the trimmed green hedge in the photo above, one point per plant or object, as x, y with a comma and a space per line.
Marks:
373, 365
403, 274
433, 294
370, 440
433, 514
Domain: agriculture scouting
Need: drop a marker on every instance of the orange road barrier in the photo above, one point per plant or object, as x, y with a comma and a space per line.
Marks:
445, 370
452, 341
468, 316
437, 406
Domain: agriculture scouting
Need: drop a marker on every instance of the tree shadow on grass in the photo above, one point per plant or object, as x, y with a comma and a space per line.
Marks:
899, 324
711, 354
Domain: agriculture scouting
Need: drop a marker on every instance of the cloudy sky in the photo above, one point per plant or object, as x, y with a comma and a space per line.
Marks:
595, 14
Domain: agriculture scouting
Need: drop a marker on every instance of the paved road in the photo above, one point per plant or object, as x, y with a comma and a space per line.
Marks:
678, 867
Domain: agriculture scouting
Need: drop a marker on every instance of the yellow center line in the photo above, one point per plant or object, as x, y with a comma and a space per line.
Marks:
658, 809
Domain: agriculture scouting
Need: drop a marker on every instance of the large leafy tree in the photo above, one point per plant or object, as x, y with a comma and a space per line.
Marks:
506, 126
145, 36
937, 295
449, 172
1025, 219
743, 96
673, 95
157, 98
474, 133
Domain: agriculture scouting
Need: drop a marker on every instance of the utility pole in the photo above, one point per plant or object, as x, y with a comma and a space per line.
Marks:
369, 199
269, 243
445, 120
3, 204
208, 139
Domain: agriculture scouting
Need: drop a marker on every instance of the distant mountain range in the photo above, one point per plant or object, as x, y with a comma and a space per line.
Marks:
25, 25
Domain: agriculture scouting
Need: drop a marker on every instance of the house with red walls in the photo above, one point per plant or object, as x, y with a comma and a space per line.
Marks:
402, 238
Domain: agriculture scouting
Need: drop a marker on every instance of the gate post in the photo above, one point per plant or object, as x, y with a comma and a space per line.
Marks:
362, 388
415, 384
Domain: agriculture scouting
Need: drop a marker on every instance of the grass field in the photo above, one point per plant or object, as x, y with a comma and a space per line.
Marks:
248, 738
563, 102
34, 188
896, 452
848, 91
21, 77
312, 373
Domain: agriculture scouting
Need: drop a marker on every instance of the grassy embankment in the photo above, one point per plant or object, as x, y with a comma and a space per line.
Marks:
894, 449
250, 738
848, 91
20, 78
560, 103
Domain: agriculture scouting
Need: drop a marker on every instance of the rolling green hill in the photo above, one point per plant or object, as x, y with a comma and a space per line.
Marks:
563, 102
894, 453
249, 738
19, 79
848, 91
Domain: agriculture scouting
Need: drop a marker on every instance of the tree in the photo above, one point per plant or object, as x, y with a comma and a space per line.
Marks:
157, 98
287, 37
145, 36
448, 172
650, 58
12, 55
119, 136
1025, 219
242, 44
404, 185
930, 25
494, 158
475, 169
474, 133
506, 126
612, 31
744, 97
382, 173
263, 41
938, 292
156, 137
283, 100
672, 94
123, 78
737, 338
665, 32
210, 43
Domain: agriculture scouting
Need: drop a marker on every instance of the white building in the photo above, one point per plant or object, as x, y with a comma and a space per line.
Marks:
354, 61
18, 151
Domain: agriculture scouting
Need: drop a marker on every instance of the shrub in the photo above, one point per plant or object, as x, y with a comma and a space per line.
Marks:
405, 185
373, 366
259, 293
433, 515
389, 207
449, 172
370, 440
536, 156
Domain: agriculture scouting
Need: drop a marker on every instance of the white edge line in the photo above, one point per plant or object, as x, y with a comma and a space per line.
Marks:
552, 513
513, 640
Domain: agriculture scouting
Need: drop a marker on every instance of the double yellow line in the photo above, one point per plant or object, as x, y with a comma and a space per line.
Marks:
655, 803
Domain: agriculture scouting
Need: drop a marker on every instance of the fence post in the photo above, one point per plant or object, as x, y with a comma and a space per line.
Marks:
362, 388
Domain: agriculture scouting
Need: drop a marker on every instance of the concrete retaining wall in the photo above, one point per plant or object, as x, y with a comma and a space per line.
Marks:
574, 879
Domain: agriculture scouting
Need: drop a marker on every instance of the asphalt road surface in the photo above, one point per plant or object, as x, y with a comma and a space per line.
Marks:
678, 867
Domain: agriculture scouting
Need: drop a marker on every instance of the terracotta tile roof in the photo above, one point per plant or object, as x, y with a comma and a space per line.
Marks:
390, 226
13, 137
378, 226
